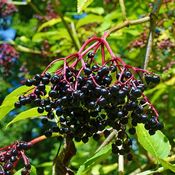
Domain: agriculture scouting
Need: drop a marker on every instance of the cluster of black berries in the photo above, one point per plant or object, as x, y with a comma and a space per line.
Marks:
6, 8
8, 57
85, 100
10, 156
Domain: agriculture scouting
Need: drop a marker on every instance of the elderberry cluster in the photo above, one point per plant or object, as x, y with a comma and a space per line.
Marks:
86, 101
6, 8
10, 156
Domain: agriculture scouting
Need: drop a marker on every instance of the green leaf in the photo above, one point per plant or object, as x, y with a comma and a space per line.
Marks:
167, 165
157, 144
8, 103
52, 22
51, 35
101, 155
89, 19
31, 113
82, 4
32, 171
96, 10
46, 164
109, 168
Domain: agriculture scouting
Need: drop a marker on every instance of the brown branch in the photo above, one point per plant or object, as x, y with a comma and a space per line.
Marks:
56, 4
153, 16
127, 23
62, 161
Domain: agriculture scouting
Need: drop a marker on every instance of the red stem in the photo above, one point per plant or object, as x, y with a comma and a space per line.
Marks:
103, 54
38, 139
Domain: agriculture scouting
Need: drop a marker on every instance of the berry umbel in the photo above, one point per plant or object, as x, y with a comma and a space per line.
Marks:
91, 91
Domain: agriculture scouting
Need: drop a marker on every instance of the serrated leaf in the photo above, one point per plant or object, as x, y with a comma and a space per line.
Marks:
32, 171
8, 103
89, 19
157, 144
87, 165
167, 165
31, 113
82, 4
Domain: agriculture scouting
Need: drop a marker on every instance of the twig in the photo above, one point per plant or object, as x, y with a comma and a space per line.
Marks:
148, 50
107, 140
138, 170
128, 23
122, 5
75, 34
153, 14
25, 49
56, 4
34, 7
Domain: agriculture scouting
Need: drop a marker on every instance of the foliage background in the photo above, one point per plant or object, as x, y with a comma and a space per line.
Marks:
42, 36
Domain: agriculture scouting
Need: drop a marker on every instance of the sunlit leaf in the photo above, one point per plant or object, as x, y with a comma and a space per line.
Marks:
52, 35
32, 171
31, 113
157, 144
82, 4
8, 103
52, 22
89, 19
96, 10
102, 154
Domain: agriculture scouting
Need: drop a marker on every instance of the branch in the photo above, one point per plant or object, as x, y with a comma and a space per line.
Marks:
127, 23
56, 4
107, 140
153, 15
74, 32
25, 49
41, 138
62, 161
148, 50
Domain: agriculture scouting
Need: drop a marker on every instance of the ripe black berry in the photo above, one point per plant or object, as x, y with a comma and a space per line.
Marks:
40, 109
132, 131
29, 82
48, 133
18, 104
91, 55
87, 71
